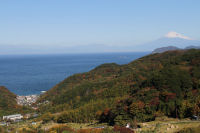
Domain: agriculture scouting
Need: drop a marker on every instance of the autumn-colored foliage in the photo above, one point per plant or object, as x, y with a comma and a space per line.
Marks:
123, 129
157, 84
89, 131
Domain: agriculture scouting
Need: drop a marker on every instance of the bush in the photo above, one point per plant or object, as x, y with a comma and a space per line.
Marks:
123, 129
47, 117
61, 129
108, 130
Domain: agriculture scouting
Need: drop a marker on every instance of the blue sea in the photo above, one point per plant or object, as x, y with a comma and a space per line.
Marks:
31, 74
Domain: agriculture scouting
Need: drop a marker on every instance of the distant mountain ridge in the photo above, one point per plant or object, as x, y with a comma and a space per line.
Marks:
193, 47
171, 48
171, 39
164, 49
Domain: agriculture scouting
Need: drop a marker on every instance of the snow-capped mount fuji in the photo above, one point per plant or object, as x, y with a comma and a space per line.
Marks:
171, 39
173, 34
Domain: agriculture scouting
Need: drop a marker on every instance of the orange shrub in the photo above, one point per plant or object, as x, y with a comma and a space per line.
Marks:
123, 129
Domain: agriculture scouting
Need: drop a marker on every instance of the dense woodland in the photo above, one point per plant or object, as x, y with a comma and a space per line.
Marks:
166, 84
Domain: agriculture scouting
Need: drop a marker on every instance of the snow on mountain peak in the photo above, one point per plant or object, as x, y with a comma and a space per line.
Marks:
177, 35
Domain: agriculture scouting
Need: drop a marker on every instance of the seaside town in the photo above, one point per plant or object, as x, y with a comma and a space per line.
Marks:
23, 101
27, 100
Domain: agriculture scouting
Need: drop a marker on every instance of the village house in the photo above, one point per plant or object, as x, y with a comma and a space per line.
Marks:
13, 117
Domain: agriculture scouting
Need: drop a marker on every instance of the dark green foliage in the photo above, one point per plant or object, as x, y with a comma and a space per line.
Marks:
47, 117
170, 78
87, 113
159, 84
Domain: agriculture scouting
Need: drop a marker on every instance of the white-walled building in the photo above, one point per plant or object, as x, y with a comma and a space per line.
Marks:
13, 117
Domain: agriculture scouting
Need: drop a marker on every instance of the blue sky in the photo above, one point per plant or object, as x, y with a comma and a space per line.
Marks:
87, 22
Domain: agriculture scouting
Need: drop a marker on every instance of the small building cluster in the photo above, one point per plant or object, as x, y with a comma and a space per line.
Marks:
16, 118
27, 100
12, 117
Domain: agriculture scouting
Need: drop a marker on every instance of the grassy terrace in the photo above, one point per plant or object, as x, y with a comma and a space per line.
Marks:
166, 125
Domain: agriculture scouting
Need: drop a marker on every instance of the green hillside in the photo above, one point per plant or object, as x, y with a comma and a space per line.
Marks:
8, 104
7, 101
155, 85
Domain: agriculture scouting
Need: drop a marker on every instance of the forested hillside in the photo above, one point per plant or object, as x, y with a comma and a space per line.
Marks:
155, 85
8, 104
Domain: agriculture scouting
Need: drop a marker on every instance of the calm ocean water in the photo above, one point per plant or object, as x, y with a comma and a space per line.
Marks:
31, 74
